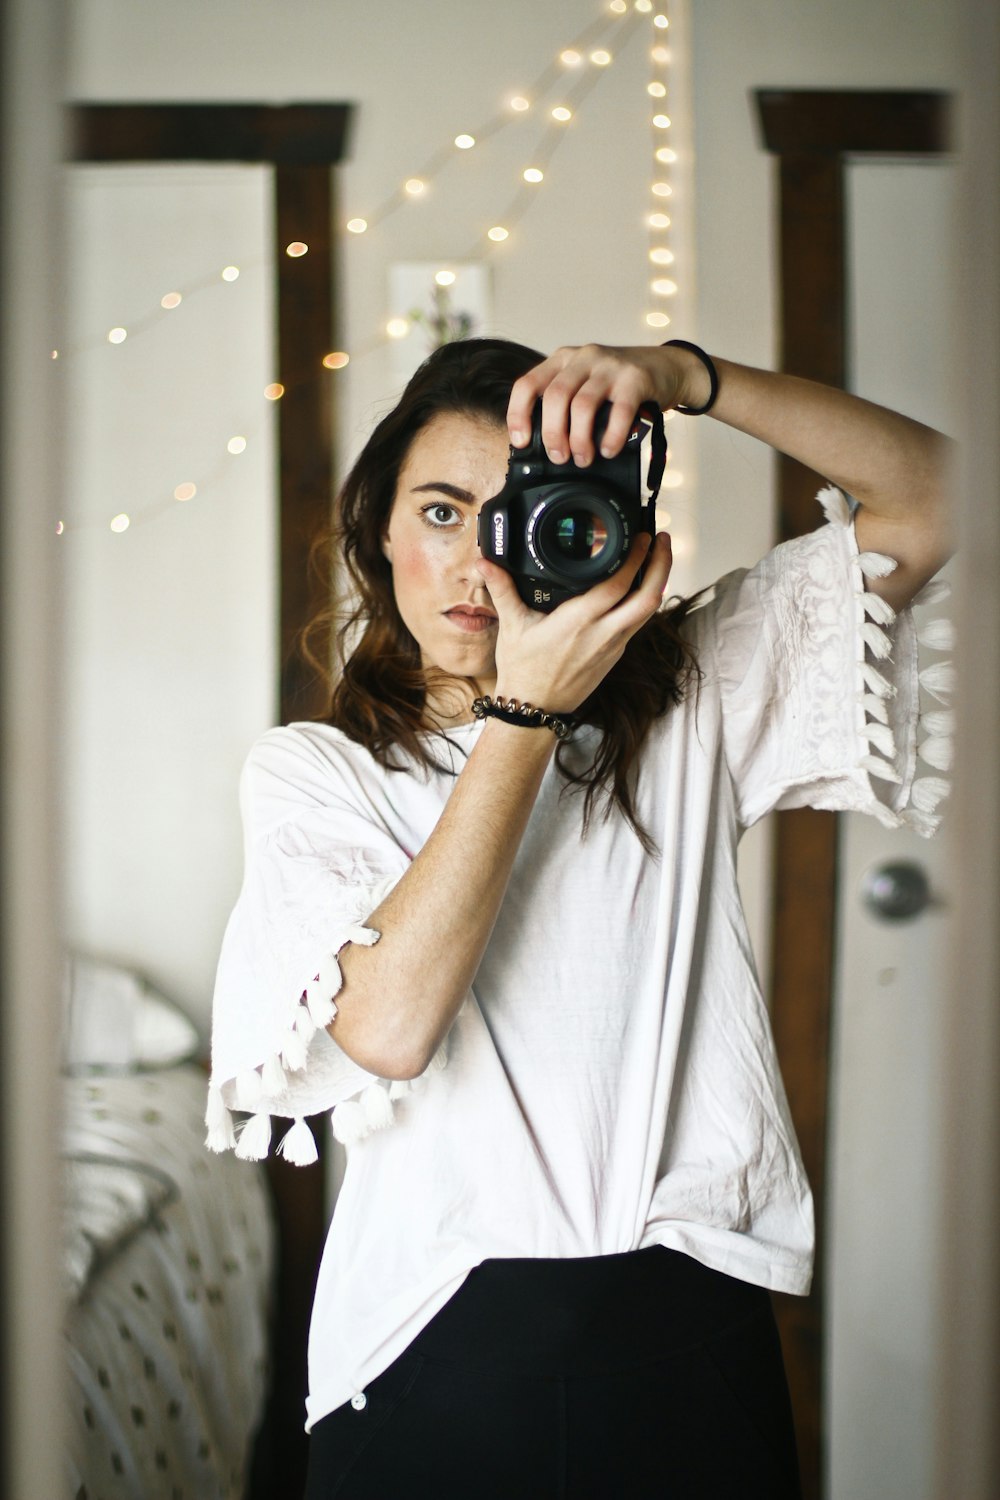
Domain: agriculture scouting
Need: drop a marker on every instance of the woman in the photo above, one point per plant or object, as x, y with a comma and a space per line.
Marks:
549, 1265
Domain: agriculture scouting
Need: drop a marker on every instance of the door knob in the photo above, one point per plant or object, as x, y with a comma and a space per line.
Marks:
896, 892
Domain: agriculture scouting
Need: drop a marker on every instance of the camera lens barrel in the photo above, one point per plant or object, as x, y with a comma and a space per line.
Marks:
576, 533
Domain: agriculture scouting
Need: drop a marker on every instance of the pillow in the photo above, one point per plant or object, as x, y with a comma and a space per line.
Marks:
114, 1020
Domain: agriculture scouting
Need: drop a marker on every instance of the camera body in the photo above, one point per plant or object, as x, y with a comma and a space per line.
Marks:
559, 529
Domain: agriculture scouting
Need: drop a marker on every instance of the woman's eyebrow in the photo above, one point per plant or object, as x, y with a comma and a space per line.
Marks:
451, 490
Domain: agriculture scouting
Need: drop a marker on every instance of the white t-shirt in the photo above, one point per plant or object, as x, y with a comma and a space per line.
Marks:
610, 1081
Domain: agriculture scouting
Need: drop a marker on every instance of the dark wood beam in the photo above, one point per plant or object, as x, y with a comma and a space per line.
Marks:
814, 133
303, 143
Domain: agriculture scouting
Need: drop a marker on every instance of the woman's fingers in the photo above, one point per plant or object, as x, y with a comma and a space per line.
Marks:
572, 384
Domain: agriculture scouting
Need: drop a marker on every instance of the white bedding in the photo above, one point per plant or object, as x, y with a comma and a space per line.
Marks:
168, 1258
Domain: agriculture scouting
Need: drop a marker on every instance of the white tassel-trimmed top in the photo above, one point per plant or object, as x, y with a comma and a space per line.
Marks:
610, 1079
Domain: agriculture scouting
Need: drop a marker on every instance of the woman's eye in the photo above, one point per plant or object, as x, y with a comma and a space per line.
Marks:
440, 515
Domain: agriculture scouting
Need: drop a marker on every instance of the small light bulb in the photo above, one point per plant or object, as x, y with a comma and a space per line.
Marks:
296, 249
55, 354
661, 21
660, 54
532, 174
663, 517
338, 360
657, 320
656, 90
117, 336
662, 122
185, 492
570, 58
465, 142
659, 221
661, 257
357, 226
663, 287
120, 523
274, 391
444, 278
171, 300
414, 186
673, 479
60, 527
397, 328
236, 445
663, 190
644, 6
497, 233
600, 58
618, 7
230, 273
519, 103
562, 114
666, 153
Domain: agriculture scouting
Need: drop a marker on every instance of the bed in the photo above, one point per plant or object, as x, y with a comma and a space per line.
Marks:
168, 1258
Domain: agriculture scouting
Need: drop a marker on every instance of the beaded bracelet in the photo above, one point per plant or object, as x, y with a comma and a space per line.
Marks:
523, 714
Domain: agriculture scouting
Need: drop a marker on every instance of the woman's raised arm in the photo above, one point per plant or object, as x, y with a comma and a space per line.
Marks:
896, 468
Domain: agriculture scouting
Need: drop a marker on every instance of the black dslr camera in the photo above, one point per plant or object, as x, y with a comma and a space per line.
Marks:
559, 529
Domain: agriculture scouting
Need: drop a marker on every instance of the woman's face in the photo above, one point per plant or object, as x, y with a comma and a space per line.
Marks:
455, 463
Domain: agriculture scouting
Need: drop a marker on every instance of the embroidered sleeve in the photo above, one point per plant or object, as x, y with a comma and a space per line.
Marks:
821, 686
317, 866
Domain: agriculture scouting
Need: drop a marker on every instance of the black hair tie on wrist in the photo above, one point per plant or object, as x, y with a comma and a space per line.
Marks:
713, 375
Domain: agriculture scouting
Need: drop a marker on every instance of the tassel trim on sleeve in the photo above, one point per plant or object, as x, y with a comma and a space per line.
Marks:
352, 1119
935, 728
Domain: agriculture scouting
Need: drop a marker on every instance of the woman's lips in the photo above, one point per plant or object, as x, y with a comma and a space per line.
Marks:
473, 621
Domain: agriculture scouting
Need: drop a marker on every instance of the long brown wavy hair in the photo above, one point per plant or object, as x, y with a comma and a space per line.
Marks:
378, 699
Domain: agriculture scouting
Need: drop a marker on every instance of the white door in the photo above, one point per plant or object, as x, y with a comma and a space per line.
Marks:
891, 974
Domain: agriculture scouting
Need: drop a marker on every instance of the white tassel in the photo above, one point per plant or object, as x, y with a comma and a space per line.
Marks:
880, 609
921, 823
377, 1106
880, 768
248, 1089
294, 1051
399, 1088
881, 736
880, 686
938, 635
938, 721
876, 564
321, 1008
220, 1134
876, 640
938, 751
348, 1122
272, 1076
835, 506
305, 1026
365, 937
939, 680
935, 592
298, 1145
928, 792
875, 706
255, 1138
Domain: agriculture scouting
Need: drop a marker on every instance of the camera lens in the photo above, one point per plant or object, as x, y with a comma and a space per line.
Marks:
581, 535
578, 534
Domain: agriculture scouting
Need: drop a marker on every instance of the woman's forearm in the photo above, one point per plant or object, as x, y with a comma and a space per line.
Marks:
400, 996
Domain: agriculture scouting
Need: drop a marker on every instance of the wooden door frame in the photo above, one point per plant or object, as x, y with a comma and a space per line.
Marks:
815, 133
303, 143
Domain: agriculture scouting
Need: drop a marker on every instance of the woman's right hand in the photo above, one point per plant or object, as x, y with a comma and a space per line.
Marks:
556, 660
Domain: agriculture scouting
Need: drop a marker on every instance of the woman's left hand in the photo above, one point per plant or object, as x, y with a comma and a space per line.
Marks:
574, 382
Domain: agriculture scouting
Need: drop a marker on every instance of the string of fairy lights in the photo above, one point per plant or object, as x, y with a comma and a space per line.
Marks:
554, 99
